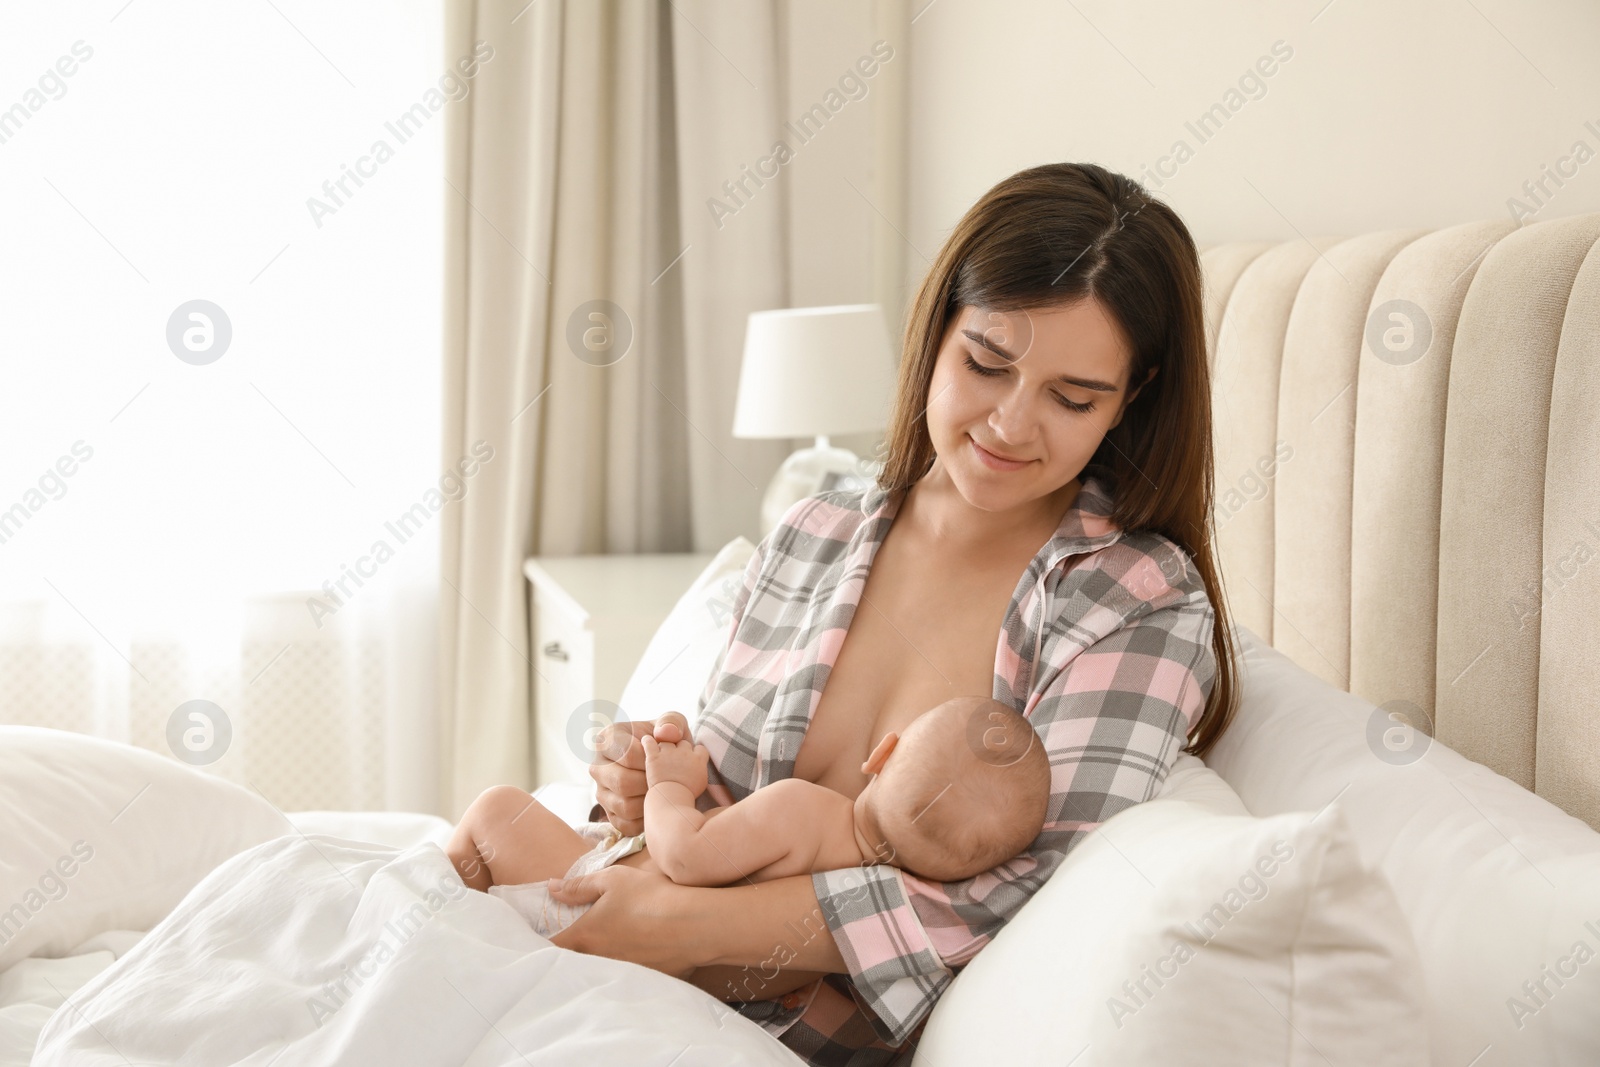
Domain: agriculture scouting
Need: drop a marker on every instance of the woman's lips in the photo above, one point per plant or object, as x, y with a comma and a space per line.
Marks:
994, 462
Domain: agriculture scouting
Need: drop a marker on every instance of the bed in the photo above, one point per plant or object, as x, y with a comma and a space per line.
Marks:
1390, 858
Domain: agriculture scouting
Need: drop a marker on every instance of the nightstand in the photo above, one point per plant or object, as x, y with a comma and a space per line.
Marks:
591, 618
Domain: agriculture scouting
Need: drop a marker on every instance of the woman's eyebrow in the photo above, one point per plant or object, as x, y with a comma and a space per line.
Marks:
1086, 383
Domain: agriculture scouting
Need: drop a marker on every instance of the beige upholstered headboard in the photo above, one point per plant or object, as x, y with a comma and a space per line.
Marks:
1408, 478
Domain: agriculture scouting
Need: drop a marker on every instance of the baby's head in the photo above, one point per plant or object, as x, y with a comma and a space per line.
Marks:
964, 789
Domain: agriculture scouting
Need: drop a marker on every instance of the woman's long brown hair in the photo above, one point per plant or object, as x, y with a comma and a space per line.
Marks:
1052, 235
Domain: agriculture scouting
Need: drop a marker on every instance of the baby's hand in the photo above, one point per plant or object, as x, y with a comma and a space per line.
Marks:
683, 762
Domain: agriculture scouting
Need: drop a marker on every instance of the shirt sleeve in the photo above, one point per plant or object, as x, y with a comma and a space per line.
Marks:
1113, 719
727, 604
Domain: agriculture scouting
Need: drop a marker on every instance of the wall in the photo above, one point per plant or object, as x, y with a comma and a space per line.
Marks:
846, 186
1422, 113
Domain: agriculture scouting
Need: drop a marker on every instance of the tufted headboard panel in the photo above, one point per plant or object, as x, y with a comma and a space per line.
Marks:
1408, 478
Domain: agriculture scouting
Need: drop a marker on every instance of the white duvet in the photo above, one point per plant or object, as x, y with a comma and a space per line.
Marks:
314, 949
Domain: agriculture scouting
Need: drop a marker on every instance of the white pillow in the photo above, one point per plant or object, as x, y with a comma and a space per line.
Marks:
96, 835
688, 645
1184, 930
1500, 886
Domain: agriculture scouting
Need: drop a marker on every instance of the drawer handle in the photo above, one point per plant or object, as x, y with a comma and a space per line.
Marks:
555, 651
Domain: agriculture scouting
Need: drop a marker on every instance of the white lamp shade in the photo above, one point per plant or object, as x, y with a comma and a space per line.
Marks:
818, 371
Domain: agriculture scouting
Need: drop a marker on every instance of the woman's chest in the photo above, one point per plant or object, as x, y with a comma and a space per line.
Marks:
924, 631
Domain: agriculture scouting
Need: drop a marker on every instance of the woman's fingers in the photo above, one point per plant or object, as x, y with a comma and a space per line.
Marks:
584, 889
626, 827
620, 784
618, 744
619, 778
625, 813
619, 806
638, 915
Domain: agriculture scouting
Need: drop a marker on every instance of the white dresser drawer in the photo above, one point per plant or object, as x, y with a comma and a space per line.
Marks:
563, 680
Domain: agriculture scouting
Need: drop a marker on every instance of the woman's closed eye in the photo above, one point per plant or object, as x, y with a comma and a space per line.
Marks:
992, 372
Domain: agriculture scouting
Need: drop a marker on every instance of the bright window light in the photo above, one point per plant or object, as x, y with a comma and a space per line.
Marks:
166, 169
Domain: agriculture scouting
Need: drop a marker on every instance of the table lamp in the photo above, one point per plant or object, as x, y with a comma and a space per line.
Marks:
814, 372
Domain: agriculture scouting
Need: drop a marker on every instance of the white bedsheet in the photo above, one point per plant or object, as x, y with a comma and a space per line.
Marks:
32, 990
321, 950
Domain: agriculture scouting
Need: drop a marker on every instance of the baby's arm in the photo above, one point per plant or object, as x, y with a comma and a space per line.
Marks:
675, 776
778, 830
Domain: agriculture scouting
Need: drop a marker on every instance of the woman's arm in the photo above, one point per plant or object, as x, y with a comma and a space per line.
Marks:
767, 925
730, 983
645, 918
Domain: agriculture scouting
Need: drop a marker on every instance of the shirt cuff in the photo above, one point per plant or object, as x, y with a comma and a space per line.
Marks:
892, 963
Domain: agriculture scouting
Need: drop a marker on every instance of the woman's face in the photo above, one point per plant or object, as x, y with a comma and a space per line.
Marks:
1020, 400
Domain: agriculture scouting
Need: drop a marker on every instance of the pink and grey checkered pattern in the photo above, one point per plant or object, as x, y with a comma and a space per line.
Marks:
1106, 647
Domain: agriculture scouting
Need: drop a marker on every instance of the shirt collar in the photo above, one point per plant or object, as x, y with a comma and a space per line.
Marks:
1086, 525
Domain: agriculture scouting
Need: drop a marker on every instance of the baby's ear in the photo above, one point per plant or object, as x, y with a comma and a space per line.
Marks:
880, 753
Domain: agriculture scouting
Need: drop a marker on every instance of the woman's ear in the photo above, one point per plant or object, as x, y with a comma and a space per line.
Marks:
880, 754
1142, 384
1131, 396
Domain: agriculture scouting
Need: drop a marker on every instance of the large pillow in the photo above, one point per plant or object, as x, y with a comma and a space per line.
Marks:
96, 835
1501, 888
1186, 931
688, 645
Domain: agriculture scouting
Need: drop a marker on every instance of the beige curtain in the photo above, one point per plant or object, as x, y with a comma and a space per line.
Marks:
579, 170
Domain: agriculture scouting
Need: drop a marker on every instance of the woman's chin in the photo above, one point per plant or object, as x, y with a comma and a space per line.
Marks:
984, 487
988, 491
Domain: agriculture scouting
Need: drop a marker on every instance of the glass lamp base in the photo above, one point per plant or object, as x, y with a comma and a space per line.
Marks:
809, 471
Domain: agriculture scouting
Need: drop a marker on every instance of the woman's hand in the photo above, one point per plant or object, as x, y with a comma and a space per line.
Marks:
638, 915
618, 767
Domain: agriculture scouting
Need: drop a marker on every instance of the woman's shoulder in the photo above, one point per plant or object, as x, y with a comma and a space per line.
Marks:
832, 516
1147, 570
1144, 580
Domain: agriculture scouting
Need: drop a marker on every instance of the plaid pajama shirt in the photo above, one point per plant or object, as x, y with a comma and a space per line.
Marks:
1106, 648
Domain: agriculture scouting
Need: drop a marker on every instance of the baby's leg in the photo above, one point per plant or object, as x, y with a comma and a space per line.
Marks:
507, 838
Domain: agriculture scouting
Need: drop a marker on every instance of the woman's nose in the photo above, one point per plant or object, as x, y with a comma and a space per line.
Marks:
1012, 420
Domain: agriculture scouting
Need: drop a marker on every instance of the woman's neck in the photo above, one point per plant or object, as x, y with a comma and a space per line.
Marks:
941, 513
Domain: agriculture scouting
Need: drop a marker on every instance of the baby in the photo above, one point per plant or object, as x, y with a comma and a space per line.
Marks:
964, 790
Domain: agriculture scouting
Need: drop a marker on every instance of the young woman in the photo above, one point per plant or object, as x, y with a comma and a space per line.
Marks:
1039, 533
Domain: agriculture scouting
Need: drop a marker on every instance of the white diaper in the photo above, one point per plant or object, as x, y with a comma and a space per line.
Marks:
549, 916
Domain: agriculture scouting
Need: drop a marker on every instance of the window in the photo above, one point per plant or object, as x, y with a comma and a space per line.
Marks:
219, 368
